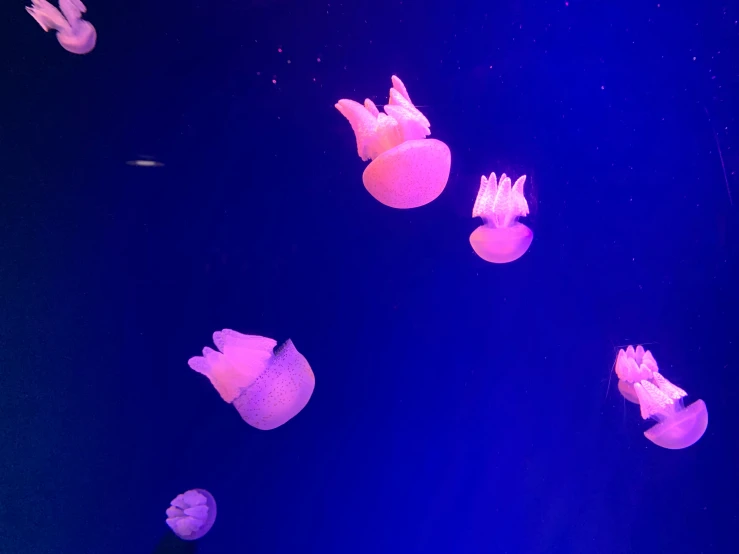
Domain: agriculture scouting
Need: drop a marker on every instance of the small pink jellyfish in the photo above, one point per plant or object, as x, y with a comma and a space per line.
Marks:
407, 170
502, 238
640, 382
192, 514
73, 33
268, 387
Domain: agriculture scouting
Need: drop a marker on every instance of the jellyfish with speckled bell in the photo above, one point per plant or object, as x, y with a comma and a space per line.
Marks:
640, 382
267, 386
192, 514
407, 169
74, 33
502, 238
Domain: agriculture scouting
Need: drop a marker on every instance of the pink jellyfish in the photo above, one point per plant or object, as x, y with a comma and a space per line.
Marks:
192, 514
73, 33
407, 170
641, 382
268, 387
502, 238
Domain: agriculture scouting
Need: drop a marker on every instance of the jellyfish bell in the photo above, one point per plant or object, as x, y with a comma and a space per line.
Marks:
192, 514
501, 245
81, 41
502, 238
407, 169
679, 427
74, 33
267, 386
410, 175
641, 382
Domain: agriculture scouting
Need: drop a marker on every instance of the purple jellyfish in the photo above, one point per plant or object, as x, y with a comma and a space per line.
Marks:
640, 381
73, 33
192, 514
407, 170
502, 238
268, 387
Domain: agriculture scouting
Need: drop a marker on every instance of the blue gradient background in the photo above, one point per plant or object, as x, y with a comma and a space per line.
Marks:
460, 407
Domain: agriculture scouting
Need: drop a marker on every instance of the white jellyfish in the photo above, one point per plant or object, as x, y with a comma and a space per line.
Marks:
408, 170
640, 382
502, 238
74, 33
192, 514
267, 387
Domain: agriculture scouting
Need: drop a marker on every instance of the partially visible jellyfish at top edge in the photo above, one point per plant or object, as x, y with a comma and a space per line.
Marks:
192, 514
74, 33
640, 381
407, 169
502, 238
267, 387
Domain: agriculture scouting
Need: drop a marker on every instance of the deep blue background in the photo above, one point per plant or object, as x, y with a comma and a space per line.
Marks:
460, 407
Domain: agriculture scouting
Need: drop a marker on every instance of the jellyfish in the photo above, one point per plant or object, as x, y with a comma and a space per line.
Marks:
640, 381
502, 238
407, 169
267, 387
192, 514
73, 33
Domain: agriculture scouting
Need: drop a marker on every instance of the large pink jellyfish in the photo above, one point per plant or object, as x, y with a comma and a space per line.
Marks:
192, 514
407, 170
73, 33
268, 387
502, 238
640, 382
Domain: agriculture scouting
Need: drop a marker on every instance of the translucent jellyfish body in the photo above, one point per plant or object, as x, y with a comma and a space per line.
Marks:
502, 238
268, 387
192, 514
641, 382
73, 33
407, 169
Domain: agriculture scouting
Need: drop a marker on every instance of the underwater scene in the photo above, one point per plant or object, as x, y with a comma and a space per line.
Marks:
390, 277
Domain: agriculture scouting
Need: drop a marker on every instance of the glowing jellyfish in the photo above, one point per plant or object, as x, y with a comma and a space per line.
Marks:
268, 387
408, 170
192, 514
641, 382
502, 238
73, 33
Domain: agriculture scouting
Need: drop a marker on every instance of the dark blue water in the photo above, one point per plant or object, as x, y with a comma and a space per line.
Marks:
460, 407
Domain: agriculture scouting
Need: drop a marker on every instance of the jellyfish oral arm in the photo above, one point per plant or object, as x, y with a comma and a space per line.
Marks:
378, 132
47, 16
237, 364
656, 395
72, 10
499, 204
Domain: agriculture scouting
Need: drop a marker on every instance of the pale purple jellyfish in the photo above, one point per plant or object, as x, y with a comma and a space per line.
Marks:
73, 33
192, 514
640, 381
502, 238
268, 387
407, 170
